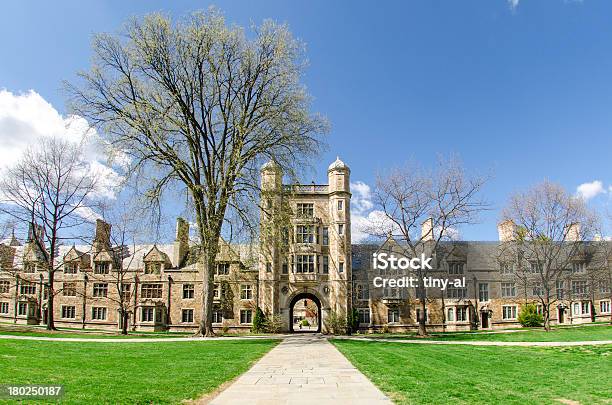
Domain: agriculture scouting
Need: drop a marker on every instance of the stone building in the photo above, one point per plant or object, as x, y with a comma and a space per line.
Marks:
304, 258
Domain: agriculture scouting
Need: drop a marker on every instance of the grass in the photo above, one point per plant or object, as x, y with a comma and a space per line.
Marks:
432, 374
561, 334
137, 373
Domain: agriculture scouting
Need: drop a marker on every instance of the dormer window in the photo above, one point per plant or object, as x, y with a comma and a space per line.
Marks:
578, 267
71, 268
455, 267
102, 268
223, 269
29, 268
153, 268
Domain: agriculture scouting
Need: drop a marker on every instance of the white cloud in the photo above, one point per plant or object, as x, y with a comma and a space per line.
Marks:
362, 197
513, 3
589, 190
26, 117
366, 221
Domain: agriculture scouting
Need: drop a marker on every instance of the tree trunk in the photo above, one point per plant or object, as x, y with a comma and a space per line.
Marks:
124, 322
205, 328
546, 309
50, 300
423, 320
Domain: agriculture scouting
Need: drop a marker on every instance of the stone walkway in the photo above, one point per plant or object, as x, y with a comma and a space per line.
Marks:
303, 369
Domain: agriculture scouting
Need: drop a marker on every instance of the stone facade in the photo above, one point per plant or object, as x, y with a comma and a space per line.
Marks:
304, 255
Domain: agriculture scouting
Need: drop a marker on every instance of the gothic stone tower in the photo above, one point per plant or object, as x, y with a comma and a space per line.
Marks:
305, 246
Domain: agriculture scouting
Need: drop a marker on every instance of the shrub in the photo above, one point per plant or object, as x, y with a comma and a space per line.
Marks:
353, 321
336, 324
259, 321
529, 316
274, 323
305, 322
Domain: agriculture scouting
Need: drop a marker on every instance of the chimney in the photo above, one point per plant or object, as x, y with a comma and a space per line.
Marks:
427, 230
181, 243
506, 230
572, 232
102, 237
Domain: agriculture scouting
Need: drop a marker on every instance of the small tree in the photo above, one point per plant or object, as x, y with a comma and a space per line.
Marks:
336, 323
529, 316
274, 323
259, 321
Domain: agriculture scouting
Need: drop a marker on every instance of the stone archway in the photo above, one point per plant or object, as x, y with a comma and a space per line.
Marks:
306, 296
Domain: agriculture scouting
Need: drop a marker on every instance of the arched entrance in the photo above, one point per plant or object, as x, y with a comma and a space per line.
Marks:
305, 310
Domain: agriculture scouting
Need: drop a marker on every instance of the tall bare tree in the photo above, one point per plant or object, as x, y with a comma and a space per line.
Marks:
50, 189
550, 233
200, 104
421, 208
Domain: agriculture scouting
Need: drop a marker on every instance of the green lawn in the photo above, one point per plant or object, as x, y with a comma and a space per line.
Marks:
137, 373
432, 374
563, 334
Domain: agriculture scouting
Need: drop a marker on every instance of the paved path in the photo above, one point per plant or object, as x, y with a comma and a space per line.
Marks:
479, 342
303, 369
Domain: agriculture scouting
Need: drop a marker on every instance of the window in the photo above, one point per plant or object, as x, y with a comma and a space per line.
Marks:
578, 267
217, 316
418, 315
98, 313
71, 267
188, 290
585, 307
340, 229
68, 311
305, 210
223, 269
579, 287
151, 291
456, 293
268, 267
285, 267
325, 264
483, 292
147, 314
304, 264
455, 268
187, 316
508, 289
341, 267
560, 291
461, 314
29, 268
285, 235
100, 289
509, 312
216, 292
69, 289
450, 314
604, 287
246, 292
537, 290
604, 307
391, 292
536, 267
4, 286
246, 316
4, 307
507, 268
325, 236
340, 205
393, 316
363, 315
361, 291
27, 288
152, 268
125, 291
305, 234
101, 268
22, 309
539, 309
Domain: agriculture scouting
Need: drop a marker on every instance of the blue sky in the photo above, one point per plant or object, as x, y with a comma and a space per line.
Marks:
522, 89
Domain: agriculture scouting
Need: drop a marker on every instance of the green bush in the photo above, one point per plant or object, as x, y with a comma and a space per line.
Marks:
259, 321
529, 316
305, 322
274, 324
336, 324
